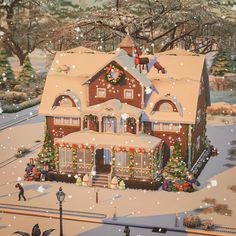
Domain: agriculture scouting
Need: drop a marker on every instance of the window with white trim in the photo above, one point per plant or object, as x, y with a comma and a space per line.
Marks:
169, 127
199, 113
57, 120
120, 159
198, 143
75, 121
65, 160
101, 92
66, 102
128, 93
66, 121
165, 107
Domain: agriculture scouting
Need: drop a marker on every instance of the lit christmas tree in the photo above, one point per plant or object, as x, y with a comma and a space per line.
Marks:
222, 63
27, 75
46, 156
7, 78
175, 171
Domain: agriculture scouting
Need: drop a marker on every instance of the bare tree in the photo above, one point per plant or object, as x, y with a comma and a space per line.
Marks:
24, 26
192, 24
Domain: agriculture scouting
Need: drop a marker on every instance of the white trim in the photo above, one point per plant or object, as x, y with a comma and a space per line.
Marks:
104, 90
129, 90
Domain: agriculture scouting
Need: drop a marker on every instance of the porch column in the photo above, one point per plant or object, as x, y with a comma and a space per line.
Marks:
142, 127
118, 128
137, 127
82, 123
99, 124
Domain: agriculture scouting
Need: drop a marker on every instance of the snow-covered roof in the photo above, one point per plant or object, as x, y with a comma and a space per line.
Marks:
114, 107
127, 42
108, 139
71, 69
127, 62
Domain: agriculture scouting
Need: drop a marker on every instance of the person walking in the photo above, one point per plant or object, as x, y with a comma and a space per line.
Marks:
21, 193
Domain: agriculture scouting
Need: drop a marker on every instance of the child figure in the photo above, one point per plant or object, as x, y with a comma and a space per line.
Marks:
21, 193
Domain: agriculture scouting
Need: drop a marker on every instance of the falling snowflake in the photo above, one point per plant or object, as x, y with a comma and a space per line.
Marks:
213, 183
19, 179
124, 116
41, 189
1, 33
148, 90
77, 29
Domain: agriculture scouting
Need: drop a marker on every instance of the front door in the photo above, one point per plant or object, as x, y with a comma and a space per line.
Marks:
103, 160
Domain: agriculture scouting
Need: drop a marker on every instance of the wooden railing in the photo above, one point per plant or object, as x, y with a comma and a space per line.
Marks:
138, 172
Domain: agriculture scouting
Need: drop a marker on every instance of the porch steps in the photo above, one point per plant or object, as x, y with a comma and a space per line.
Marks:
100, 180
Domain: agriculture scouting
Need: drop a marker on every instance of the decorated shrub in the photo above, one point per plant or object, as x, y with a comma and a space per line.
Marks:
192, 221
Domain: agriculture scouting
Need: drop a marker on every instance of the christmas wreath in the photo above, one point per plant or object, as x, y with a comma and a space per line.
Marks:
114, 74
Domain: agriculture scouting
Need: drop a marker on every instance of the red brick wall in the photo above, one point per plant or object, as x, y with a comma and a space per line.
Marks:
170, 138
101, 82
199, 129
58, 131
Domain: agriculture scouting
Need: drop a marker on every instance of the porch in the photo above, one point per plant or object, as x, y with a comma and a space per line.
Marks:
125, 155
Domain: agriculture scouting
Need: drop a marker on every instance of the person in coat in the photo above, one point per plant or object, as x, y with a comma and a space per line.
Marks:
21, 192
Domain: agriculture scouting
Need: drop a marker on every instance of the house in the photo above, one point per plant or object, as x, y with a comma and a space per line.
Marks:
113, 113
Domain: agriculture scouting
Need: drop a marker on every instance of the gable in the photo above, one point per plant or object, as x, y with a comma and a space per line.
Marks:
114, 82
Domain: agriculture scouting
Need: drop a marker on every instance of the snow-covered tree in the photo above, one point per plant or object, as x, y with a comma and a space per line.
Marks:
176, 168
27, 75
222, 63
46, 156
7, 78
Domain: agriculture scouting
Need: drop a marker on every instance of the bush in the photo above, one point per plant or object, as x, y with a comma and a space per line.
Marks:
21, 151
21, 106
192, 221
13, 97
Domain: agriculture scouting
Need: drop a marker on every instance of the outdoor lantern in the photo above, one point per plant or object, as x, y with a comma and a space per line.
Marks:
60, 195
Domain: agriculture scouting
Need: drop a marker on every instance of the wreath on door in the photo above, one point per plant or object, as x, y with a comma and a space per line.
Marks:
114, 74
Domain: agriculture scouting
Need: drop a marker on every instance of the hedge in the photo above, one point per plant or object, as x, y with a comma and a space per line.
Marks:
21, 106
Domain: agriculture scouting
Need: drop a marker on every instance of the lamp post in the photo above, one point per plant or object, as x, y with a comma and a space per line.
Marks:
60, 197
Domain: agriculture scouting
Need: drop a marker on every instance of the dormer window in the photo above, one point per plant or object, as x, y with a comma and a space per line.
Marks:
101, 92
128, 94
166, 107
66, 102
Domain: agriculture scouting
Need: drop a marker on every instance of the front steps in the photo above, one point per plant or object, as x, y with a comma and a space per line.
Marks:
100, 180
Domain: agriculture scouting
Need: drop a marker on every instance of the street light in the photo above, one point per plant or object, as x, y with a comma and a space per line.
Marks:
60, 197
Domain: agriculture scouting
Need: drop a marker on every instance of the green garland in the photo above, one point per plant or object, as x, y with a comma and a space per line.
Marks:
74, 157
113, 159
116, 69
131, 162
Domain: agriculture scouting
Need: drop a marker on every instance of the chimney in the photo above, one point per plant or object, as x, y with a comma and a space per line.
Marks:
128, 45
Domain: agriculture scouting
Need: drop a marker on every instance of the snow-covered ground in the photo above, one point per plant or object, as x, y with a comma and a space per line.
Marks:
155, 208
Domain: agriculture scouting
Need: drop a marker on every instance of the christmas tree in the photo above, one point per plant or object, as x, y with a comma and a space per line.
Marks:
46, 156
222, 63
175, 171
27, 75
7, 78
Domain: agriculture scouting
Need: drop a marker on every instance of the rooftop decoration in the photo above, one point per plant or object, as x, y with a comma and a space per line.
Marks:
114, 74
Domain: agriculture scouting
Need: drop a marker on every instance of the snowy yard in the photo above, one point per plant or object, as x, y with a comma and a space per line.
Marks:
157, 208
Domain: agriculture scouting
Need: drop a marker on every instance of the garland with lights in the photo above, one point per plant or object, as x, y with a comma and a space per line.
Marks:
56, 156
92, 149
74, 157
131, 162
114, 74
113, 159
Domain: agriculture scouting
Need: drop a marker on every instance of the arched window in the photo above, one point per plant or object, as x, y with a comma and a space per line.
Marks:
64, 101
165, 106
